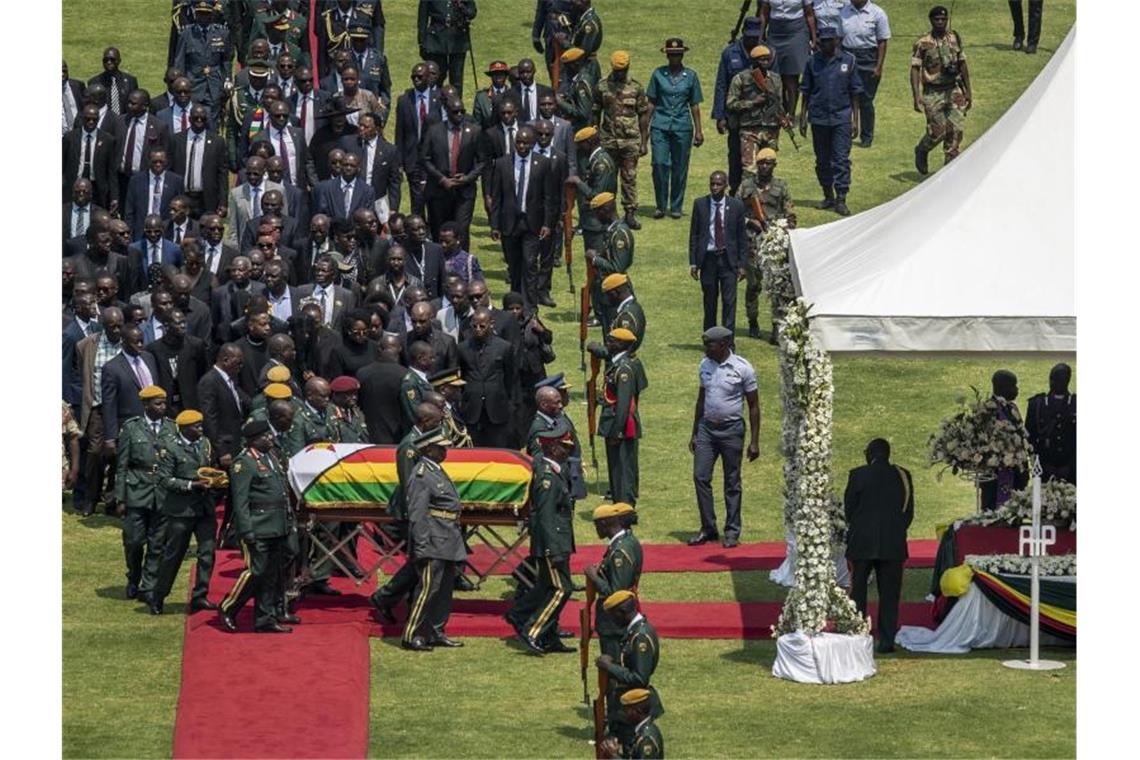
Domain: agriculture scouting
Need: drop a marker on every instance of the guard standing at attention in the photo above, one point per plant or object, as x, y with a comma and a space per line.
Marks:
647, 741
940, 84
346, 421
599, 178
620, 421
444, 36
576, 93
619, 570
771, 194
675, 129
615, 256
621, 111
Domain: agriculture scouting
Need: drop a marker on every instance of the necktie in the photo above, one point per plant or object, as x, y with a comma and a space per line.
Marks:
520, 186
156, 196
510, 138
183, 120
529, 105
255, 201
177, 234
325, 306
423, 114
115, 97
155, 258
129, 153
81, 220
718, 227
454, 163
211, 252
142, 374
87, 157
281, 151
305, 113
347, 198
191, 174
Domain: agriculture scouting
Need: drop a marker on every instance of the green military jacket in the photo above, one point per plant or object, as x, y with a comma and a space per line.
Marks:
775, 201
647, 743
577, 102
239, 103
631, 316
939, 60
412, 390
308, 427
740, 102
483, 109
139, 452
455, 430
617, 108
601, 177
625, 380
178, 470
620, 569
433, 514
551, 510
260, 403
443, 26
541, 423
347, 425
618, 255
405, 460
258, 496
640, 650
588, 32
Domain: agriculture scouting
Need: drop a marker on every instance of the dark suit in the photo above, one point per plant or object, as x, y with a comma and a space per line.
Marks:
379, 399
330, 198
719, 268
77, 89
87, 267
179, 370
304, 174
526, 116
72, 380
879, 506
222, 415
431, 273
446, 349
122, 81
409, 132
137, 205
519, 229
103, 171
490, 393
550, 250
156, 136
288, 233
495, 147
215, 171
387, 169
189, 229
138, 254
68, 209
324, 140
457, 204
121, 389
343, 300
227, 303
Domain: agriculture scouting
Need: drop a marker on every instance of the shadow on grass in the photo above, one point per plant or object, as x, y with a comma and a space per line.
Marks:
98, 521
1007, 47
682, 536
697, 347
112, 592
1047, 653
756, 652
910, 176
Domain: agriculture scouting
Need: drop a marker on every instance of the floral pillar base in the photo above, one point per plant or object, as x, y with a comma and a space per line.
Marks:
824, 657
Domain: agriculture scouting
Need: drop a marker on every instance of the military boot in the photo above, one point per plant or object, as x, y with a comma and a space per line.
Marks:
828, 198
920, 160
631, 220
753, 329
841, 205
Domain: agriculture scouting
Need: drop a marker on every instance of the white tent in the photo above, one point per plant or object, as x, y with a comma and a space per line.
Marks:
979, 257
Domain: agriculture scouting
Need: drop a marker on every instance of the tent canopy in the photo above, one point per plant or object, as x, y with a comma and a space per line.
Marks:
979, 257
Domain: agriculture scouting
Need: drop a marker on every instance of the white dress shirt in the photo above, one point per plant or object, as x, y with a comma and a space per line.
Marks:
713, 204
139, 126
522, 175
195, 147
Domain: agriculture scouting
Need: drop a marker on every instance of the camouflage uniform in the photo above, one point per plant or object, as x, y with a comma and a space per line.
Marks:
776, 201
939, 60
618, 109
759, 124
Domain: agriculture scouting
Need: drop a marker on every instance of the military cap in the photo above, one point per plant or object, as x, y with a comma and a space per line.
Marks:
254, 428
634, 696
717, 333
616, 598
614, 281
622, 334
559, 432
449, 376
337, 106
434, 437
619, 59
278, 391
766, 154
585, 133
601, 199
612, 510
151, 391
281, 24
827, 33
258, 67
279, 373
752, 26
553, 381
188, 417
759, 52
497, 67
344, 384
204, 6
674, 45
572, 54
359, 30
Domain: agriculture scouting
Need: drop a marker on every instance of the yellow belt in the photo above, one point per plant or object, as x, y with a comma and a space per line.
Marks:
444, 514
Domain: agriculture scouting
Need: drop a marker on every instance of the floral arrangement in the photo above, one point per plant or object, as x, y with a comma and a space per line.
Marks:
775, 268
1015, 564
1058, 506
976, 442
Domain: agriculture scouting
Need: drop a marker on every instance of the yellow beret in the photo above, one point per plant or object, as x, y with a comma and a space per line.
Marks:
765, 154
615, 280
616, 598
612, 510
634, 696
188, 417
278, 391
601, 199
759, 51
956, 580
572, 54
620, 59
151, 391
621, 333
585, 133
279, 374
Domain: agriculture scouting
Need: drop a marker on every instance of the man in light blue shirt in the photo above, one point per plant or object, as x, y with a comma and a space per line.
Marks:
865, 31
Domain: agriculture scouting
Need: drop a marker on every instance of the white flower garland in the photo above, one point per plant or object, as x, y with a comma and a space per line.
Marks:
1058, 506
1015, 564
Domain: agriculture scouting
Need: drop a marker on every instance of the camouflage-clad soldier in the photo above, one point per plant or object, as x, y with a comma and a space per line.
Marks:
940, 84
576, 91
444, 36
775, 203
346, 421
619, 569
756, 111
141, 446
600, 176
621, 111
204, 53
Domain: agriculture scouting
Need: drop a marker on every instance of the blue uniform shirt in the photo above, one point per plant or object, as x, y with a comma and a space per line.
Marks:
863, 27
827, 14
672, 98
725, 386
829, 84
733, 60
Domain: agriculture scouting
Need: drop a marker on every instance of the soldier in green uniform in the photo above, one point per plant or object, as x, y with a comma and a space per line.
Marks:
756, 110
599, 177
621, 111
535, 614
646, 741
263, 518
634, 665
587, 36
623, 308
188, 504
346, 421
277, 387
277, 31
436, 543
448, 393
293, 25
444, 36
940, 83
204, 53
775, 201
485, 109
615, 256
313, 424
575, 96
620, 421
241, 101
552, 396
141, 448
619, 570
421, 360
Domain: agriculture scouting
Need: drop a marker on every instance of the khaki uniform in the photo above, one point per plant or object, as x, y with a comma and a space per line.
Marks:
776, 202
939, 60
618, 109
758, 122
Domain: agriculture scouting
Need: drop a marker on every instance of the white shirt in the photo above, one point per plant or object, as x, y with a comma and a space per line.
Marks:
369, 156
230, 385
158, 328
195, 148
310, 114
522, 175
290, 148
283, 306
139, 125
214, 251
713, 204
70, 108
155, 193
327, 304
177, 111
422, 97
153, 252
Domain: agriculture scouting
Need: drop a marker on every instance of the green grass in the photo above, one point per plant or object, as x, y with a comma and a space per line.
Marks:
121, 666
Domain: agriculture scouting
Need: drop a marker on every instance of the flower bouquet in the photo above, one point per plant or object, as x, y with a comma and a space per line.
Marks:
977, 441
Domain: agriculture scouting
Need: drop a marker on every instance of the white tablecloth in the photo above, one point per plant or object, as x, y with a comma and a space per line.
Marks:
785, 574
824, 658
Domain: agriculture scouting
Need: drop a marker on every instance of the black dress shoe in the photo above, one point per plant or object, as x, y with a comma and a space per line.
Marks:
920, 161
674, 214
463, 583
322, 587
577, 588
289, 618
658, 214
383, 611
132, 591
702, 538
1031, 48
444, 641
885, 647
533, 646
729, 542
557, 647
547, 301
204, 604
155, 608
227, 621
515, 625
273, 628
841, 207
416, 645
631, 221
1017, 44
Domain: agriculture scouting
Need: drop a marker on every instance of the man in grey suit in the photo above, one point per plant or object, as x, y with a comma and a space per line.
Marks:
123, 377
245, 199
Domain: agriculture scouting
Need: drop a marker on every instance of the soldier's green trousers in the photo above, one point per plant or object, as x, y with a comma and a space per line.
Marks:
670, 152
259, 579
752, 291
178, 533
544, 602
143, 534
621, 461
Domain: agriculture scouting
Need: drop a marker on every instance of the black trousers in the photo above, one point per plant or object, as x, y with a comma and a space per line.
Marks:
452, 207
888, 580
735, 166
450, 68
143, 533
539, 608
403, 583
179, 530
431, 606
1019, 21
523, 251
718, 279
491, 434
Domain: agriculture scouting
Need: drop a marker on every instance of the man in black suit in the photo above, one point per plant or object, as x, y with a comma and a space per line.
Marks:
78, 214
217, 255
228, 302
379, 395
426, 329
89, 152
175, 114
96, 95
312, 246
718, 249
503, 322
97, 256
150, 192
879, 506
527, 92
498, 141
524, 209
289, 145
72, 99
142, 134
166, 98
295, 200
563, 138
487, 363
551, 248
119, 84
123, 377
196, 311
338, 197
273, 212
179, 225
150, 248
334, 300
307, 103
200, 156
450, 157
181, 362
424, 259
224, 406
331, 135
416, 110
380, 164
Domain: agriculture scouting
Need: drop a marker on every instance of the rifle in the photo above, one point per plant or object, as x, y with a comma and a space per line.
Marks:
739, 21
759, 79
586, 633
592, 409
758, 210
584, 313
600, 711
556, 67
568, 235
